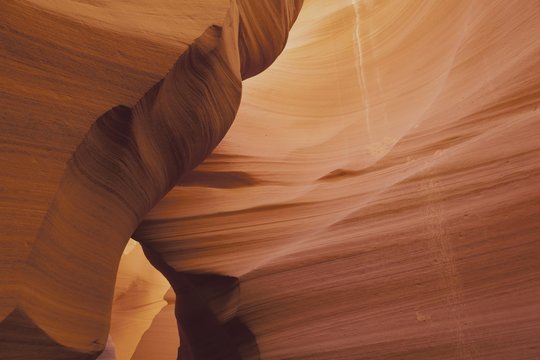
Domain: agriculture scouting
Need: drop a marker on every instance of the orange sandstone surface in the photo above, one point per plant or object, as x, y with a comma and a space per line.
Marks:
363, 184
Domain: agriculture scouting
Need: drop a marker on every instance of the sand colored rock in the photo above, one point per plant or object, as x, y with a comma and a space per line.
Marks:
387, 208
60, 280
376, 196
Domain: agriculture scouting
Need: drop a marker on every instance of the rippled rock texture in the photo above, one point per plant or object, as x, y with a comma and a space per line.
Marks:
60, 281
376, 196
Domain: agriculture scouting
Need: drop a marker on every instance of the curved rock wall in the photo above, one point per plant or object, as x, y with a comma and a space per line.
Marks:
128, 160
375, 198
377, 192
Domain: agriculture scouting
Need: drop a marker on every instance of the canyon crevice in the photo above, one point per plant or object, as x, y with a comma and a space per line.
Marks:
362, 184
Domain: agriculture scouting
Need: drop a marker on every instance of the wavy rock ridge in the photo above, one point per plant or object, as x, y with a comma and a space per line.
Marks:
375, 198
129, 159
387, 208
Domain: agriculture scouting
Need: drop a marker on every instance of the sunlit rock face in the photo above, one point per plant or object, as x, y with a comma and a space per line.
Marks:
376, 196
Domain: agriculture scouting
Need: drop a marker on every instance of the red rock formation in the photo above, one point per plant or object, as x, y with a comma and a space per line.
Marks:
387, 208
128, 160
377, 195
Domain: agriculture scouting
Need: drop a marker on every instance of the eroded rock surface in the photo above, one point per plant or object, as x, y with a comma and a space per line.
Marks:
60, 280
376, 197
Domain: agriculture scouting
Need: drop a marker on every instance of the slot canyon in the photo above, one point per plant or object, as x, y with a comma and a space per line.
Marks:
270, 179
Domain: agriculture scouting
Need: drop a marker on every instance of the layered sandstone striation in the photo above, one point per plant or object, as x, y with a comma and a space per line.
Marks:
378, 191
60, 280
376, 197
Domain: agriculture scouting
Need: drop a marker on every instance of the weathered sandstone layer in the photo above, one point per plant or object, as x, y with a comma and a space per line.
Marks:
377, 195
59, 278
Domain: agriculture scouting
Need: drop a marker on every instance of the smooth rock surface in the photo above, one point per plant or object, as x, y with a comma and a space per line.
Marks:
377, 196
378, 193
59, 271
